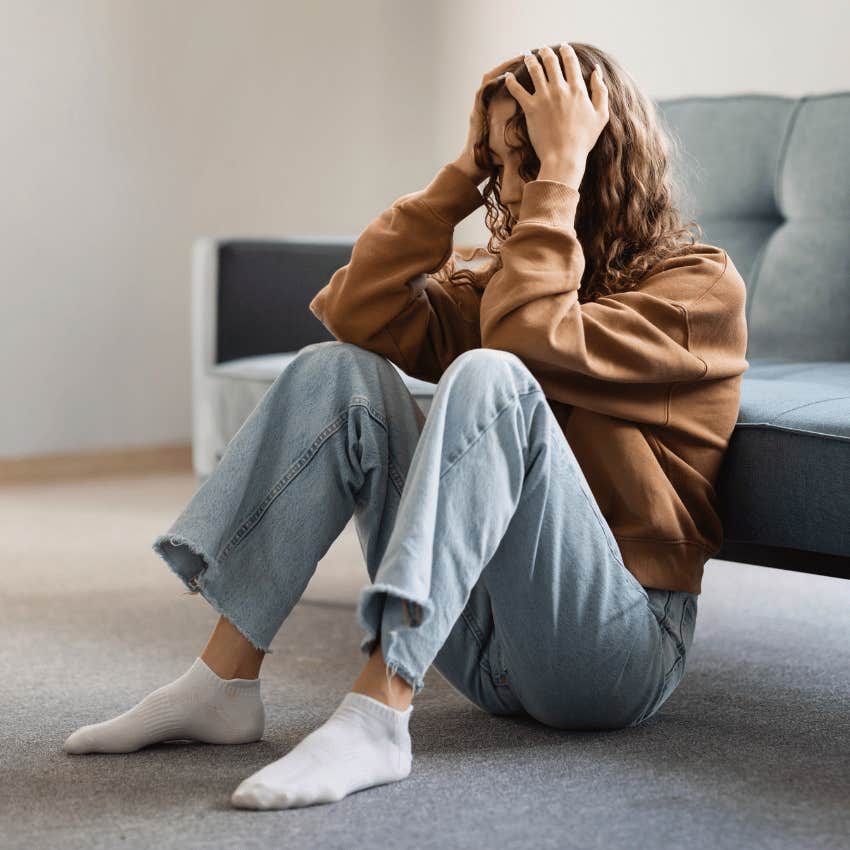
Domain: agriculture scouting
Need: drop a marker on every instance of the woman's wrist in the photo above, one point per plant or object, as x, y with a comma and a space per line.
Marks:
562, 171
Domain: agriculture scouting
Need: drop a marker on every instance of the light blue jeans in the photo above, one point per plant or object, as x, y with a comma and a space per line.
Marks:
487, 553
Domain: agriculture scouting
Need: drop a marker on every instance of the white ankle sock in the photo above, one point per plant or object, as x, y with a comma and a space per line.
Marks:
363, 743
199, 705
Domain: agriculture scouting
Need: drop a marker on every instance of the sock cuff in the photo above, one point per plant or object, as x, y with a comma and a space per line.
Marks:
376, 708
201, 669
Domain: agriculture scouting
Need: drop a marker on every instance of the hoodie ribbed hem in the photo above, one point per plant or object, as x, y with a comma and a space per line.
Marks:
666, 565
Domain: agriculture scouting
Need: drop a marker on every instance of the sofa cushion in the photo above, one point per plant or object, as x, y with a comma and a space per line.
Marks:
785, 480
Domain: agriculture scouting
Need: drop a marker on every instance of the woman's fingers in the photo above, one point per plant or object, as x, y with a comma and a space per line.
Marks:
536, 71
574, 77
553, 69
518, 91
599, 98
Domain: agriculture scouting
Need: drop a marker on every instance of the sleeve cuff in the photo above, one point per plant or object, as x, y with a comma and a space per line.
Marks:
451, 195
550, 202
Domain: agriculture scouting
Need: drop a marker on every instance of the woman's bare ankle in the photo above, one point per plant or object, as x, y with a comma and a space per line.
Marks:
230, 655
375, 682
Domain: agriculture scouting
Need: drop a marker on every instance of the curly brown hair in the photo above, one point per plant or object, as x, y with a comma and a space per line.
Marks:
627, 219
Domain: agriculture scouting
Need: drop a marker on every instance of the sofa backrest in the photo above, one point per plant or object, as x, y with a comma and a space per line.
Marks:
768, 180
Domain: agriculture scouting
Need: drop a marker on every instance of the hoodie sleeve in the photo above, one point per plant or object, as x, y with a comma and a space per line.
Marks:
622, 354
384, 299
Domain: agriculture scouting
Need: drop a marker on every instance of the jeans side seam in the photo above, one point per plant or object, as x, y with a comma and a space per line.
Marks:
679, 660
486, 428
295, 468
479, 639
665, 624
680, 646
396, 476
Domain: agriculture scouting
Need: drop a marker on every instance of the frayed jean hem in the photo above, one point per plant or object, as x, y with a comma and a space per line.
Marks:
391, 615
195, 578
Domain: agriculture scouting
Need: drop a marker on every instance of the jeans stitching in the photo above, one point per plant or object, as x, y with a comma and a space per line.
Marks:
680, 646
665, 624
498, 686
679, 659
487, 427
397, 477
296, 467
479, 639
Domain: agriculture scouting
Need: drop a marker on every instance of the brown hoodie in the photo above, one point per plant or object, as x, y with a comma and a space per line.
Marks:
644, 384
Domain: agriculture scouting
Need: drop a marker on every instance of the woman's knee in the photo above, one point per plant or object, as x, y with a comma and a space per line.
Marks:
336, 348
487, 359
331, 358
481, 369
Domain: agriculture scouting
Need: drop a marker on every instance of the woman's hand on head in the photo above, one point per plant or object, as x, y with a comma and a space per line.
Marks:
563, 120
466, 159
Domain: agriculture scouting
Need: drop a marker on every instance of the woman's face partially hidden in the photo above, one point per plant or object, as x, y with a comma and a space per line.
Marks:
501, 109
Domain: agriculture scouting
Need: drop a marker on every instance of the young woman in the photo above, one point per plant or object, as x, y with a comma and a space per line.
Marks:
540, 537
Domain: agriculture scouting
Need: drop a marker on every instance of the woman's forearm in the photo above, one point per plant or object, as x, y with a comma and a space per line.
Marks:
383, 299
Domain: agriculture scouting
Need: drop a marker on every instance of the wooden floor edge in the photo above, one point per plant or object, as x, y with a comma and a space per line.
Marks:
109, 463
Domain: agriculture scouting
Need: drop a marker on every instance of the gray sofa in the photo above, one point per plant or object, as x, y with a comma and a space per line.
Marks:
768, 179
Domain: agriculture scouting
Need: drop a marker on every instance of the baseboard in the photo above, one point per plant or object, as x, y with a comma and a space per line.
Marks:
110, 463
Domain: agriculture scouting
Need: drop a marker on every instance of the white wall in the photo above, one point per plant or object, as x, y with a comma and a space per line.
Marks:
130, 128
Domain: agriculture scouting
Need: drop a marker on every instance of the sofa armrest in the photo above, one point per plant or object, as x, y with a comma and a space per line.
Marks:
251, 297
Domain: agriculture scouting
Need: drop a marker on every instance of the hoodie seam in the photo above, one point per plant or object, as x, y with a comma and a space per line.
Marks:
435, 213
687, 326
687, 323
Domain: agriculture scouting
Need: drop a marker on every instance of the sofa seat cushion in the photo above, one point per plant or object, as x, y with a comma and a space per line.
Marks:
785, 480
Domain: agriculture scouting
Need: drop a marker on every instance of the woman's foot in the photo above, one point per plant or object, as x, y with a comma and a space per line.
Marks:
364, 743
198, 706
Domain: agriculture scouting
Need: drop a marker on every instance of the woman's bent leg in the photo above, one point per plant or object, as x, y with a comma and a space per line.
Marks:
317, 447
494, 484
334, 435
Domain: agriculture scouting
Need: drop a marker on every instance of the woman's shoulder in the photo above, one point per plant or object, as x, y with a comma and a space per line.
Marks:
691, 271
698, 261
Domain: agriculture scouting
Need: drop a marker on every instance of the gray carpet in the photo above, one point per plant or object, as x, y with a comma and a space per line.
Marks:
752, 750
